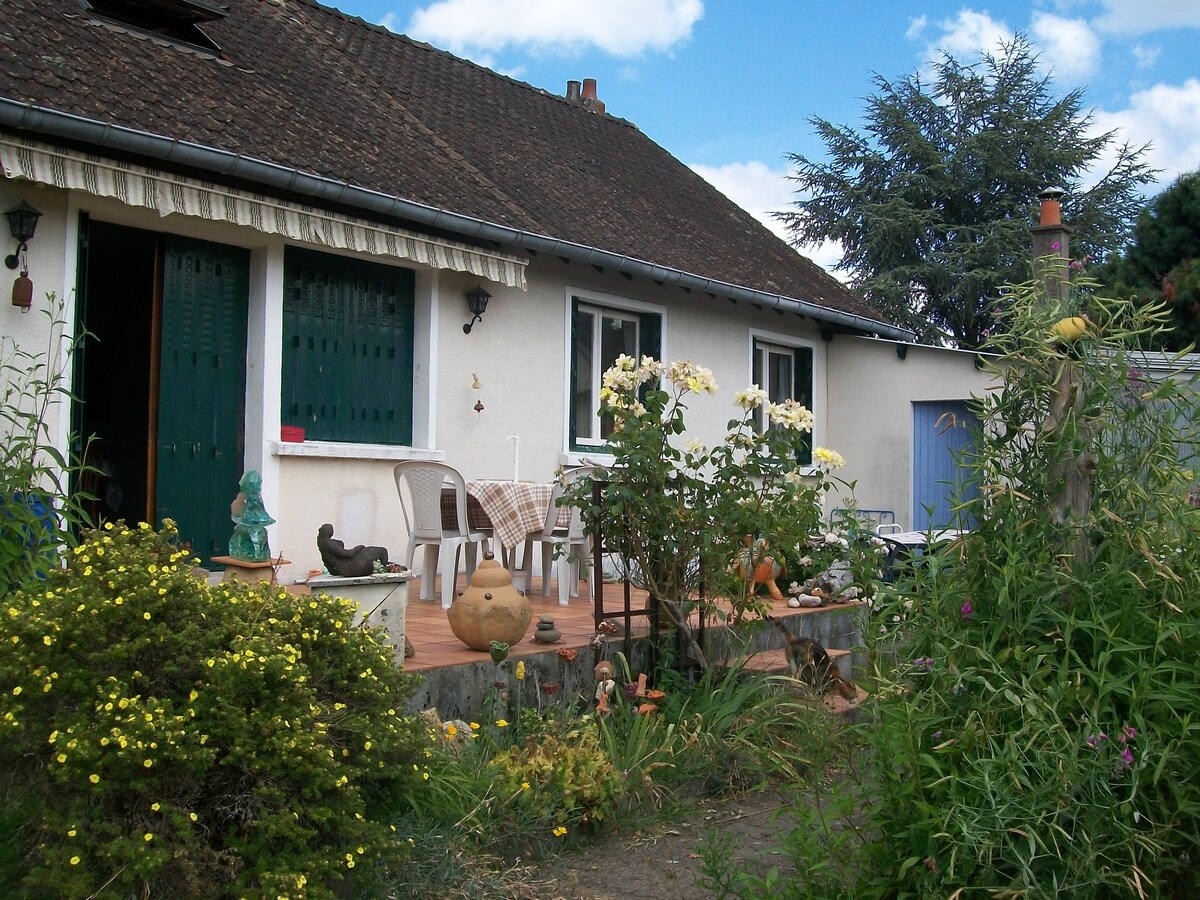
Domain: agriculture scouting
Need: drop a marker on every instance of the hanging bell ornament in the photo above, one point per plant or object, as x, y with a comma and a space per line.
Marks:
478, 403
22, 294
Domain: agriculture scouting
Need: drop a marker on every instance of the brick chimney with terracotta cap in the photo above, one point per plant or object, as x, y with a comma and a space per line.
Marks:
1052, 246
589, 98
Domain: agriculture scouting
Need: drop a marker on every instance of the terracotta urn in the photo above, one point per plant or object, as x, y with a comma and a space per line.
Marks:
491, 609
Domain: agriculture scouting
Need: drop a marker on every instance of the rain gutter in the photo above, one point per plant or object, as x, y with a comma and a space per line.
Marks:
40, 120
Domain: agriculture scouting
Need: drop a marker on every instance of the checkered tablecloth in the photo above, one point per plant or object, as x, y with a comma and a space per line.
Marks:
516, 508
511, 509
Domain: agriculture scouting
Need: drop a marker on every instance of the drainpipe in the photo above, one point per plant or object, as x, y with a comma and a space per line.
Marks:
40, 121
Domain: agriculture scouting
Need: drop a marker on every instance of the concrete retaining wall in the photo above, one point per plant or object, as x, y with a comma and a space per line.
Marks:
463, 691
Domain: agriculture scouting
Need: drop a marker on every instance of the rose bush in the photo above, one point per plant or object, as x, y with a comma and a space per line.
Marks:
680, 511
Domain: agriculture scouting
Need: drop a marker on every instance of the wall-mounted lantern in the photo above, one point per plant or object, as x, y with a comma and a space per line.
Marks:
477, 301
22, 221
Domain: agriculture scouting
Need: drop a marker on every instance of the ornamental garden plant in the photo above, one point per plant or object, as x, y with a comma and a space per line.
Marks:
682, 512
35, 506
1033, 723
163, 737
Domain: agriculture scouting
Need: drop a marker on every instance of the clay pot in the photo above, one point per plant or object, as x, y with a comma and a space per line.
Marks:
491, 609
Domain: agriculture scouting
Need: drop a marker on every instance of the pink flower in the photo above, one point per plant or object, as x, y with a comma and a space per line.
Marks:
1125, 763
967, 609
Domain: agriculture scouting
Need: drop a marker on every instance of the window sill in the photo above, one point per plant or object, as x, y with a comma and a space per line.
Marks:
586, 457
339, 450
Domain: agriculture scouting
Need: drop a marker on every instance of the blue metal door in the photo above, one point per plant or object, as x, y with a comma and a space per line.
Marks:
942, 431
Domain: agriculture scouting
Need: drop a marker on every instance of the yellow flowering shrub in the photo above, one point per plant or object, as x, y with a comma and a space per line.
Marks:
566, 780
165, 737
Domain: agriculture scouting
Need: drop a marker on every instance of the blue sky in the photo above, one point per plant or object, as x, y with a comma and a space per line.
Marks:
728, 86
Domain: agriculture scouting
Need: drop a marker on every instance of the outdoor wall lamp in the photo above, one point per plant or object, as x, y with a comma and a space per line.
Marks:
477, 301
22, 221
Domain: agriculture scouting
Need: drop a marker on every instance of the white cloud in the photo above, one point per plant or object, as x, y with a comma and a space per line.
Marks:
619, 27
968, 34
1167, 116
1144, 56
761, 190
1141, 16
1068, 46
915, 27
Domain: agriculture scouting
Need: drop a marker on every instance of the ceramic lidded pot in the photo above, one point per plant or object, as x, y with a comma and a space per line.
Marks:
491, 609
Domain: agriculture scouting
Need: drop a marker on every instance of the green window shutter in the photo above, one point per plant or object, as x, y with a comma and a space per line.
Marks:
202, 388
347, 349
650, 337
573, 430
802, 378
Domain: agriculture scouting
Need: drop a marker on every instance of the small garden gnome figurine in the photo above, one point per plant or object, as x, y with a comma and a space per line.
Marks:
604, 685
249, 540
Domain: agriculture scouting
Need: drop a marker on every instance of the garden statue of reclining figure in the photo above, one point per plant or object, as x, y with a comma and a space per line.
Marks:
353, 563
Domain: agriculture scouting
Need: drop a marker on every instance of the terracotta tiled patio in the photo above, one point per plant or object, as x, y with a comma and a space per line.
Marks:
436, 646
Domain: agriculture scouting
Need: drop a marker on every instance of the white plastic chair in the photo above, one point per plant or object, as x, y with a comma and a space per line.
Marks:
419, 485
566, 542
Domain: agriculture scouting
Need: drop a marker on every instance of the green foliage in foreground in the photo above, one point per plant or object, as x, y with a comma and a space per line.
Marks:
560, 775
1034, 727
160, 736
37, 511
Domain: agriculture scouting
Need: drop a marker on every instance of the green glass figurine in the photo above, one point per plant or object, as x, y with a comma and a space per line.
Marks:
249, 540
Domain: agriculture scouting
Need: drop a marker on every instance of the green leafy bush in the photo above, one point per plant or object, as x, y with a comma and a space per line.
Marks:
566, 779
1037, 735
37, 511
163, 736
681, 512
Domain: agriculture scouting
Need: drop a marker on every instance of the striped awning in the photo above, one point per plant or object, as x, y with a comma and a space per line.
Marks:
166, 193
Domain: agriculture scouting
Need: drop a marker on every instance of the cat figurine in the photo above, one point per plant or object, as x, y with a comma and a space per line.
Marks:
809, 663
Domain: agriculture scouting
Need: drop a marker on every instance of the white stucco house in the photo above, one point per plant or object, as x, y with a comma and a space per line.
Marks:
269, 215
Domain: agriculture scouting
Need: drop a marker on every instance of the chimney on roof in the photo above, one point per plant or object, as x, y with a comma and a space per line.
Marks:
1052, 247
572, 91
589, 98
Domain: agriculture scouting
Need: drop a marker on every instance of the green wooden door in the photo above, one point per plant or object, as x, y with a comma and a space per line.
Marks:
201, 390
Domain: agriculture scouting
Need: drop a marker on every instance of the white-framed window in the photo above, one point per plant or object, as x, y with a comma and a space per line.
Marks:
784, 369
601, 329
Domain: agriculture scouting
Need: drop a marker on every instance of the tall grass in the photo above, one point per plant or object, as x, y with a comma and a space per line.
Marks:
1034, 730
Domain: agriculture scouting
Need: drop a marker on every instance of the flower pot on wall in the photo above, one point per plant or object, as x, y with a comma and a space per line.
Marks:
491, 609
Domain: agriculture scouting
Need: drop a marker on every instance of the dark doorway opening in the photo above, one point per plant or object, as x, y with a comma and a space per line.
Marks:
118, 312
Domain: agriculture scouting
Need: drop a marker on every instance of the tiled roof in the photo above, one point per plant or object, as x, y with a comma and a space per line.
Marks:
312, 89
